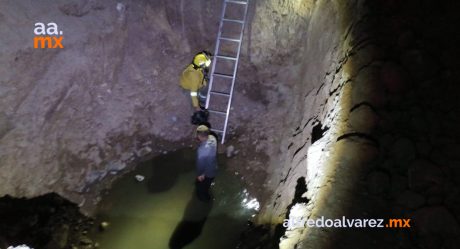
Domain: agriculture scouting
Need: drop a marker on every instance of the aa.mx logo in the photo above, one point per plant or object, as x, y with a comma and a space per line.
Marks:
47, 36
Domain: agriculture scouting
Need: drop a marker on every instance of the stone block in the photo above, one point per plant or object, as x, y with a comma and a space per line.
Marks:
394, 78
433, 221
423, 174
378, 182
410, 199
363, 119
403, 151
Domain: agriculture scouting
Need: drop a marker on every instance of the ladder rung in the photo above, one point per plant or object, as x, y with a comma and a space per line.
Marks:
223, 75
226, 57
217, 112
220, 93
233, 20
229, 39
237, 2
223, 38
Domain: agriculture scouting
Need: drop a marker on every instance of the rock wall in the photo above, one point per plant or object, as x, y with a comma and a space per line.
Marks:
377, 134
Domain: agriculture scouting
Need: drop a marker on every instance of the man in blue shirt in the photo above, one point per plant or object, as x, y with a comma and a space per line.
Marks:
206, 162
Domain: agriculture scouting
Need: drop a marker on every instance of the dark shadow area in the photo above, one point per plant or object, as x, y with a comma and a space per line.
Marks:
415, 176
257, 236
47, 222
317, 132
166, 169
195, 216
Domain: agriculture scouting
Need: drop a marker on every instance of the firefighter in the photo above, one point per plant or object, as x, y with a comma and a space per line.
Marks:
194, 77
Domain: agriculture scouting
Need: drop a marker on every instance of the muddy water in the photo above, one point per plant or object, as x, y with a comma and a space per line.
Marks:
162, 212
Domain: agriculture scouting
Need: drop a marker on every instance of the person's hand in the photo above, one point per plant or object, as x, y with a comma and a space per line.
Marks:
200, 178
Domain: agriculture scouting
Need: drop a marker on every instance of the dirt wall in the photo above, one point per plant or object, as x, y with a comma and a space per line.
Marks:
71, 117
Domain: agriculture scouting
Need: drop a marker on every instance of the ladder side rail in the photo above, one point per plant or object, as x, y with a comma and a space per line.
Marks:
216, 50
234, 73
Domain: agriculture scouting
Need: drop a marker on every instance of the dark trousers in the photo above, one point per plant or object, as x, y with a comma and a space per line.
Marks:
202, 189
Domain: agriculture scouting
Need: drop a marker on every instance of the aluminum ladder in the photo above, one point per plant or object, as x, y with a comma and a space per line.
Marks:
233, 13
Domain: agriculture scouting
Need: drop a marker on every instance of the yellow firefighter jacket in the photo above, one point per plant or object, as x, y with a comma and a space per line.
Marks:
193, 79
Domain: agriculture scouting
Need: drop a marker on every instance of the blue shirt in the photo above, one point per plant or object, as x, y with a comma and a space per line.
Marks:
206, 158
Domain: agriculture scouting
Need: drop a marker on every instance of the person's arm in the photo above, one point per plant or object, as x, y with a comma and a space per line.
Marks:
194, 90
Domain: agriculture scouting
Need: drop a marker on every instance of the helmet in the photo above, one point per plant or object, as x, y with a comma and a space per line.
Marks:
202, 60
202, 128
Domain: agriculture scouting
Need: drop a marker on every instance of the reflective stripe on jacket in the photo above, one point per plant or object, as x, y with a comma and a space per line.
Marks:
192, 80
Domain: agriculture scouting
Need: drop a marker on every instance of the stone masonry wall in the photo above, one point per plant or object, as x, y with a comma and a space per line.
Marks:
378, 138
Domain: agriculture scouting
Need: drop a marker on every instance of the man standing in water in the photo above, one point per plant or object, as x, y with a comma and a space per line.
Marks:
206, 162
